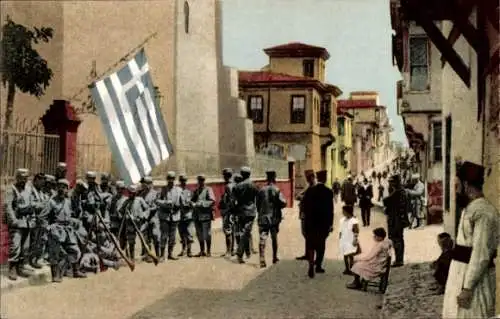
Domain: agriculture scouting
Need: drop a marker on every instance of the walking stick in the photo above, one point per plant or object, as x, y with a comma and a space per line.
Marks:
143, 241
110, 235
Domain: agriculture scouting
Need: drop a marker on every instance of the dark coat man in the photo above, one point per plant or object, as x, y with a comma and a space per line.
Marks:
318, 207
365, 194
311, 181
348, 193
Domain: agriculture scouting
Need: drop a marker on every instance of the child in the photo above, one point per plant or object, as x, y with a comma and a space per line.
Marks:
371, 265
348, 241
442, 264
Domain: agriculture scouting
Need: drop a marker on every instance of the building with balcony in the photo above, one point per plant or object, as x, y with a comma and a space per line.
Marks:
342, 152
294, 111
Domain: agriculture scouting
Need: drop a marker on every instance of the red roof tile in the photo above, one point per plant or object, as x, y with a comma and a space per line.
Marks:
357, 104
267, 76
297, 49
295, 46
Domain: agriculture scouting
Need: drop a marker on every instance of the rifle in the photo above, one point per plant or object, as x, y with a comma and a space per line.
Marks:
141, 237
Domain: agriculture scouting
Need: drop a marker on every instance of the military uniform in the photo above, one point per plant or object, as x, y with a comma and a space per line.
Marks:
19, 212
49, 188
169, 212
134, 209
92, 202
203, 203
186, 222
226, 208
245, 194
63, 240
270, 202
236, 226
105, 186
150, 227
114, 204
38, 233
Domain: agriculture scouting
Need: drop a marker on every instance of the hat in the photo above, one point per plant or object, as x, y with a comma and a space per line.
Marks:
271, 174
63, 181
50, 178
22, 172
82, 183
132, 188
90, 174
171, 175
309, 172
245, 169
120, 184
228, 171
415, 176
470, 172
396, 179
61, 165
105, 175
147, 180
183, 177
200, 177
321, 174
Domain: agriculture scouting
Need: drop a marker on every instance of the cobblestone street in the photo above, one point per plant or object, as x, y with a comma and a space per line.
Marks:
218, 287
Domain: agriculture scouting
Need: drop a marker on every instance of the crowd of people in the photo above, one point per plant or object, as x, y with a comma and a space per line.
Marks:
95, 226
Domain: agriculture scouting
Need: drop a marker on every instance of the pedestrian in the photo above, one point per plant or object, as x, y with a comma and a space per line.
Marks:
336, 189
169, 214
150, 227
397, 205
186, 222
62, 240
311, 181
19, 212
245, 195
348, 193
441, 266
318, 207
365, 195
417, 193
270, 202
471, 286
348, 237
203, 204
380, 192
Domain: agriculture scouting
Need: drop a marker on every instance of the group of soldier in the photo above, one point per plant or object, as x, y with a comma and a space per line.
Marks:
95, 225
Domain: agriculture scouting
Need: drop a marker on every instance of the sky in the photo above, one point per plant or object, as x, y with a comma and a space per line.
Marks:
357, 33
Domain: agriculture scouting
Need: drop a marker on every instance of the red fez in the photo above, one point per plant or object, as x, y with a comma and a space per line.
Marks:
470, 172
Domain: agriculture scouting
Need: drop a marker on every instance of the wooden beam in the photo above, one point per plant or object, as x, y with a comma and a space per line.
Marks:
461, 19
452, 38
442, 45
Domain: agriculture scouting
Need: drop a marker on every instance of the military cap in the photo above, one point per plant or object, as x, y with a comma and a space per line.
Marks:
183, 177
200, 177
228, 171
22, 172
63, 181
245, 169
50, 178
120, 184
309, 172
82, 183
132, 188
170, 175
321, 174
90, 174
415, 176
61, 165
470, 172
271, 174
147, 180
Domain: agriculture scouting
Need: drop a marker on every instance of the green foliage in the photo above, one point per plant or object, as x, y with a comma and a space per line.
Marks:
21, 64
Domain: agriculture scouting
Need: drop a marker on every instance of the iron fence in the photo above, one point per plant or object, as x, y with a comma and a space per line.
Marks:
37, 152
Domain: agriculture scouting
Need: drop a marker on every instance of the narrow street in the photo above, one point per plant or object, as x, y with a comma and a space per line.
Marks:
218, 287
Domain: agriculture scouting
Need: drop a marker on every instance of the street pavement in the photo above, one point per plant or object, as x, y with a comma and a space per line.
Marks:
219, 287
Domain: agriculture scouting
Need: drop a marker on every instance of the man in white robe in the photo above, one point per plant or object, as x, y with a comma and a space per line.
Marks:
470, 289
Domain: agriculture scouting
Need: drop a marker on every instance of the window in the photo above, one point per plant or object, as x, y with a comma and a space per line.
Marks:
341, 126
298, 109
255, 108
436, 141
186, 17
316, 111
447, 164
419, 66
325, 114
308, 68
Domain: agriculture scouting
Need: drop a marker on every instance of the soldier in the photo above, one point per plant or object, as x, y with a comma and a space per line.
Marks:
270, 202
226, 207
92, 201
311, 181
169, 212
105, 185
61, 171
203, 203
18, 213
77, 196
186, 222
37, 232
236, 228
62, 237
245, 194
135, 210
49, 188
151, 227
114, 204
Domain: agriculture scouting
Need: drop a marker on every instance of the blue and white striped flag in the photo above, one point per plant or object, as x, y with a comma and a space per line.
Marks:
134, 125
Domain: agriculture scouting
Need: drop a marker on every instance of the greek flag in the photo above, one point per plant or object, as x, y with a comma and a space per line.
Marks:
134, 125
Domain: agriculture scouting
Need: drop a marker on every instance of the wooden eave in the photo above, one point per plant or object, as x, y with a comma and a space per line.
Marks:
324, 88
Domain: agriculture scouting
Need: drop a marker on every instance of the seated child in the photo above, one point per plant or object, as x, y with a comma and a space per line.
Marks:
442, 264
371, 265
348, 237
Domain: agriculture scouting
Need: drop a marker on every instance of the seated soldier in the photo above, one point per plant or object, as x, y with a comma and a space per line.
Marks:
442, 265
107, 252
370, 266
90, 260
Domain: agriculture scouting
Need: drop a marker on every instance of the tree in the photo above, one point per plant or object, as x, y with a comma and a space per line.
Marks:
22, 67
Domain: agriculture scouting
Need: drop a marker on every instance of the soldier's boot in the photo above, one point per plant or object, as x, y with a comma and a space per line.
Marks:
35, 264
262, 252
275, 252
183, 251
240, 259
77, 273
228, 246
170, 253
131, 252
21, 271
12, 271
56, 274
161, 255
158, 250
202, 250
188, 251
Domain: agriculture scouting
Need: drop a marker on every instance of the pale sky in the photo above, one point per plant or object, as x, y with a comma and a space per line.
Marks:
357, 33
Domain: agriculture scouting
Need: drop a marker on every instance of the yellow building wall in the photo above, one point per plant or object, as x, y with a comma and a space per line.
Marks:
364, 115
294, 66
